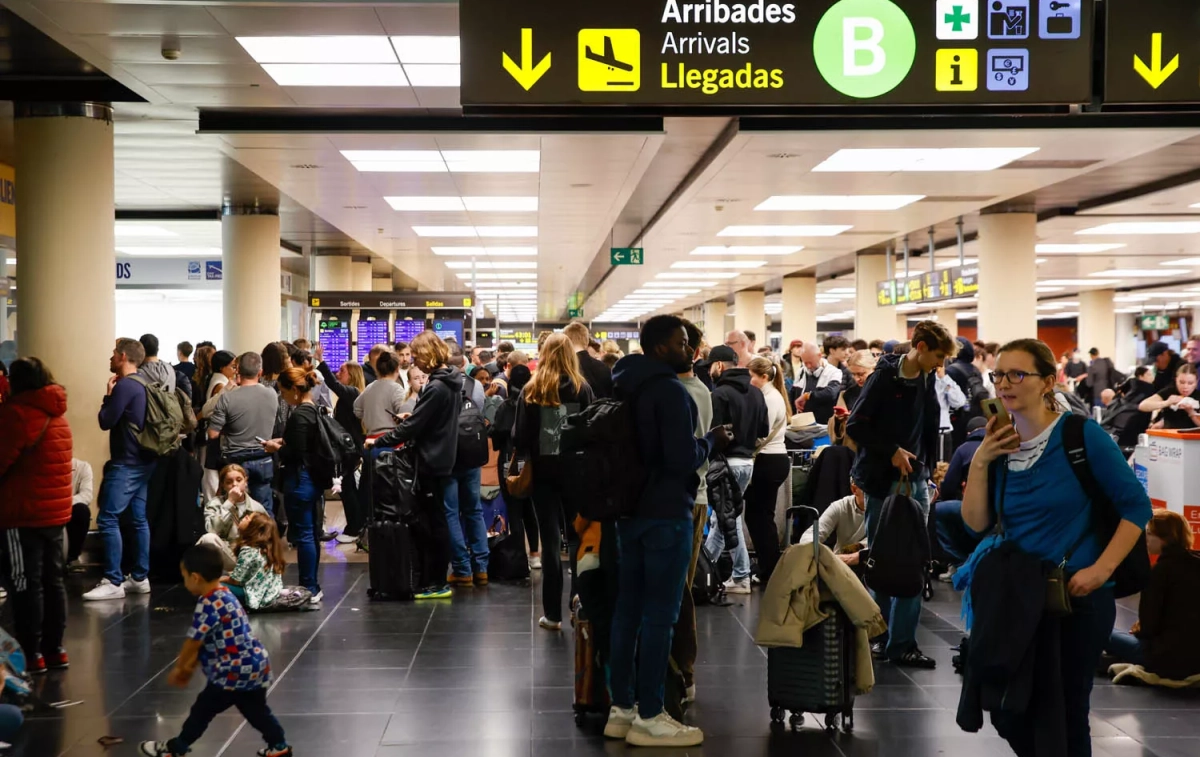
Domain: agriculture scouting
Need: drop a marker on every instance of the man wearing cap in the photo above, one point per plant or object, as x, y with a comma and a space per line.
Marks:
1166, 364
956, 540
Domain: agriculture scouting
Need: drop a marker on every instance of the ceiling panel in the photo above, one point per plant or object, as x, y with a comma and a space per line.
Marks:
267, 21
123, 20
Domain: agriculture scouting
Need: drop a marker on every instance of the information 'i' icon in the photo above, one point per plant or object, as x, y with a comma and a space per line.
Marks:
956, 70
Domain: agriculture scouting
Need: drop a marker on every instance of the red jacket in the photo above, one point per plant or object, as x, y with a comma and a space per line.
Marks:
35, 484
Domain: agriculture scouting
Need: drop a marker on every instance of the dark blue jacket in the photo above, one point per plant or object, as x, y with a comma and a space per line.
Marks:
881, 421
666, 422
955, 482
123, 414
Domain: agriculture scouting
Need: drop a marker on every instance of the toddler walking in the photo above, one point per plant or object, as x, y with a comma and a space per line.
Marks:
234, 662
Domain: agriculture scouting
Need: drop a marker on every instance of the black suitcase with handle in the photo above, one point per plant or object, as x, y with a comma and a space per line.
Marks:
394, 564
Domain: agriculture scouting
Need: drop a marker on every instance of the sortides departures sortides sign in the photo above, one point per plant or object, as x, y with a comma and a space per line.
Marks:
663, 53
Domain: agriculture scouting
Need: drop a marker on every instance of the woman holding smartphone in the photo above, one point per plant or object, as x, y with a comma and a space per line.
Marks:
1046, 513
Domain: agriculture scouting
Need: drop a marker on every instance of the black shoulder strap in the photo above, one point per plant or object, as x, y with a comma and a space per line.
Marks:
1076, 449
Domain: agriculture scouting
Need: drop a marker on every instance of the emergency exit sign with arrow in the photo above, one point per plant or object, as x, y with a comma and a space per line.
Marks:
626, 255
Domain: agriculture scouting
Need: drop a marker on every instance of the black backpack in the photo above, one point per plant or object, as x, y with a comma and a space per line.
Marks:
899, 554
333, 453
472, 435
707, 588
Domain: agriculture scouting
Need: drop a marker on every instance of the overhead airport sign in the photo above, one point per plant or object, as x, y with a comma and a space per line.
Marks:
1153, 51
626, 255
663, 53
946, 284
391, 300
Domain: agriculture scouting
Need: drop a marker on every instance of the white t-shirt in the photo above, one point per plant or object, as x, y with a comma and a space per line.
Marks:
1031, 451
776, 419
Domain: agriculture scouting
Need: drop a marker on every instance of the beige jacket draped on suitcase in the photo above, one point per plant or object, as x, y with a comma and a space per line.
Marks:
791, 605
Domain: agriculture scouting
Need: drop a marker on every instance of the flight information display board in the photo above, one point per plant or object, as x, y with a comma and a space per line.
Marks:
546, 53
946, 284
406, 331
449, 330
334, 335
368, 334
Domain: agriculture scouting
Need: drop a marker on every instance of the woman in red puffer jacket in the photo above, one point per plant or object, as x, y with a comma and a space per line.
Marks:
35, 505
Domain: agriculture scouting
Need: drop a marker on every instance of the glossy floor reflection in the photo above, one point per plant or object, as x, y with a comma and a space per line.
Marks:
475, 676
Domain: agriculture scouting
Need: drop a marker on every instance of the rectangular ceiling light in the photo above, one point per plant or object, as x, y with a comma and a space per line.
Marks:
493, 252
492, 265
1182, 261
828, 230
698, 275
839, 290
141, 230
677, 293
1048, 290
678, 284
418, 49
707, 264
336, 74
1074, 249
1141, 273
747, 250
316, 49
1077, 283
433, 74
838, 202
170, 252
953, 263
1144, 227
424, 204
475, 231
475, 204
891, 160
491, 275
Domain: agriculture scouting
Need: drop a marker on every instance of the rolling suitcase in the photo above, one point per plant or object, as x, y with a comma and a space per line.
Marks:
394, 564
817, 677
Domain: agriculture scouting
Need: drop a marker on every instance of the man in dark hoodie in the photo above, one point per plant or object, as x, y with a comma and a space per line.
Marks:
656, 543
962, 369
895, 425
738, 403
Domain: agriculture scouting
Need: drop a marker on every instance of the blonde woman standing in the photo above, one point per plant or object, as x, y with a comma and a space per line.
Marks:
771, 466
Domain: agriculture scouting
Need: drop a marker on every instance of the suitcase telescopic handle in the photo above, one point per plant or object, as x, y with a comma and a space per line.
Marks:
789, 518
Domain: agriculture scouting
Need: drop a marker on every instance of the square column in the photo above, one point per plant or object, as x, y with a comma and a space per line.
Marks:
799, 320
948, 317
332, 273
1007, 277
714, 322
1098, 322
870, 320
748, 313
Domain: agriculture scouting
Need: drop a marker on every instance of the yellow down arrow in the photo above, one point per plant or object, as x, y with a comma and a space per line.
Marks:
526, 74
1154, 74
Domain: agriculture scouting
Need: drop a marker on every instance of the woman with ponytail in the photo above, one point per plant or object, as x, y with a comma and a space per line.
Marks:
301, 496
771, 465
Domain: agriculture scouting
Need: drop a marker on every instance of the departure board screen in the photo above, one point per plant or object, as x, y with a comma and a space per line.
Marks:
449, 330
406, 331
369, 334
334, 336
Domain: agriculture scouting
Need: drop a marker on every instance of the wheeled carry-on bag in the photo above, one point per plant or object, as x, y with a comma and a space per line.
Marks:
394, 565
817, 677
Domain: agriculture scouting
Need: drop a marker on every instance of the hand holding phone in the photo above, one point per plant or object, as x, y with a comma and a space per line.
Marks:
994, 408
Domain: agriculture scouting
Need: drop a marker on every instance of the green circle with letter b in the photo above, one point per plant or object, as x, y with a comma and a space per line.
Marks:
864, 48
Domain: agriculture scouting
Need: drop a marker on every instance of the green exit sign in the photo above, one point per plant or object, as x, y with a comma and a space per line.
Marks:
626, 255
1155, 322
574, 312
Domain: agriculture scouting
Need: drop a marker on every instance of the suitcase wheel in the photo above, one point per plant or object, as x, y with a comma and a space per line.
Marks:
831, 722
848, 721
580, 719
796, 721
777, 713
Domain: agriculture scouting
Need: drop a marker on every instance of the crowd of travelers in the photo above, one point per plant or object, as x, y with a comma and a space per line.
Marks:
1003, 492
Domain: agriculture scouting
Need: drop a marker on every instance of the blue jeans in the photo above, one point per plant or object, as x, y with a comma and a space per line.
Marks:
1126, 647
654, 557
902, 614
11, 719
301, 498
956, 539
464, 518
124, 486
260, 474
743, 471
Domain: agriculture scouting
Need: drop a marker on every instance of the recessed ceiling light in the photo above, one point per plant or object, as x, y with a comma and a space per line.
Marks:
1141, 273
485, 251
1048, 290
133, 230
1077, 282
1144, 227
890, 160
1127, 310
783, 231
316, 49
336, 74
433, 74
954, 263
698, 275
746, 250
491, 275
678, 284
475, 231
492, 265
170, 252
676, 292
418, 49
421, 203
1074, 249
707, 264
1158, 295
1182, 261
1056, 316
839, 290
838, 202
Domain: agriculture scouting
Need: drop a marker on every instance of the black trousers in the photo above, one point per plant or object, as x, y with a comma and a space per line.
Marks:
435, 541
770, 471
213, 701
555, 515
33, 567
77, 530
352, 503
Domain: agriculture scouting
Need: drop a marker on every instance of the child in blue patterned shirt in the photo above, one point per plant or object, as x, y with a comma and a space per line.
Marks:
237, 667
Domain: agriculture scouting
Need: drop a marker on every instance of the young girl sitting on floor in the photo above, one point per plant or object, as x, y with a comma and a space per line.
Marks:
257, 579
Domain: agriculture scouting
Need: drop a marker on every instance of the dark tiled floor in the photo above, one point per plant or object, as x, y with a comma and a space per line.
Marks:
475, 676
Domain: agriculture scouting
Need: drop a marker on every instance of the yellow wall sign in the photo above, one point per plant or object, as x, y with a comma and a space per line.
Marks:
316, 302
8, 202
956, 70
610, 60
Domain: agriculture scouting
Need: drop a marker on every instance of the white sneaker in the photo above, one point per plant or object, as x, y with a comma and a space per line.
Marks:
550, 625
316, 598
136, 587
737, 587
663, 730
619, 722
535, 563
346, 539
689, 694
948, 576
104, 590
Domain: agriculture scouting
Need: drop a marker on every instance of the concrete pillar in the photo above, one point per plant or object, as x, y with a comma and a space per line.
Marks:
714, 322
799, 318
332, 273
948, 317
748, 313
1124, 355
870, 320
901, 327
68, 259
250, 282
360, 275
1097, 322
381, 284
1007, 277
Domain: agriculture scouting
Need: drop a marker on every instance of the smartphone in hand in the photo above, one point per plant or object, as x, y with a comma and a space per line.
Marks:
994, 408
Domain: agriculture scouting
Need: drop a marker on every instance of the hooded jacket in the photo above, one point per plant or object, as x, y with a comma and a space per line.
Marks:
962, 369
737, 401
882, 421
955, 482
35, 476
666, 423
527, 428
433, 425
156, 371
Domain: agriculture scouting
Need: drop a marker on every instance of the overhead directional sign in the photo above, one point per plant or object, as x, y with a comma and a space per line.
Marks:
626, 255
1152, 51
948, 283
775, 52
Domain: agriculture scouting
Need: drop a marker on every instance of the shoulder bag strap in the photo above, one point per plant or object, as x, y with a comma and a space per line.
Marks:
771, 437
1076, 448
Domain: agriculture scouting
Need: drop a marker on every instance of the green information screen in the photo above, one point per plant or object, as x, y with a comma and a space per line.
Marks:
755, 52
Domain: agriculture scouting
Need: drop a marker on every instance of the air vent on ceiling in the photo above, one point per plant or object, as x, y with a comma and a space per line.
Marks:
1044, 165
354, 207
727, 200
958, 198
581, 185
783, 155
305, 166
